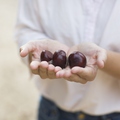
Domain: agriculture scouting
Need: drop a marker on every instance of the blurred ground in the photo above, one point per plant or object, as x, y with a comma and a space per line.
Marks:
18, 94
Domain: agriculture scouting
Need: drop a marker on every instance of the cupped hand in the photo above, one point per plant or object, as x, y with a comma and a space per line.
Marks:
34, 48
96, 57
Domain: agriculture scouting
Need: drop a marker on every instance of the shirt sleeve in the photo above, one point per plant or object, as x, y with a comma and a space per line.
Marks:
28, 26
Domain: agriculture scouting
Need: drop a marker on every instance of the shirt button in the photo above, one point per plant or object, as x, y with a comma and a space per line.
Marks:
81, 116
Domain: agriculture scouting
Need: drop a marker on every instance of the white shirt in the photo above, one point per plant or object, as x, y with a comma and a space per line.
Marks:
72, 22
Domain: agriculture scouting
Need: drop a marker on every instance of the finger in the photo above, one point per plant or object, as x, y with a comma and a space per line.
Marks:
57, 68
26, 49
87, 73
43, 69
34, 65
68, 75
51, 72
101, 58
76, 78
63, 73
59, 74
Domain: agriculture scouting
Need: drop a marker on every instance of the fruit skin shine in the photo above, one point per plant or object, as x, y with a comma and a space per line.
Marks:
59, 58
46, 56
77, 59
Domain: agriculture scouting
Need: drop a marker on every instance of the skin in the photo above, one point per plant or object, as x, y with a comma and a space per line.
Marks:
33, 49
97, 58
112, 65
105, 60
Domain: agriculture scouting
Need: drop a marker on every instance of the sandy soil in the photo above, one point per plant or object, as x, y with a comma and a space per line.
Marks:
18, 94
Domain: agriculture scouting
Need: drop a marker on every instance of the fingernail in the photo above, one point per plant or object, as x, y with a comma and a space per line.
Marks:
20, 49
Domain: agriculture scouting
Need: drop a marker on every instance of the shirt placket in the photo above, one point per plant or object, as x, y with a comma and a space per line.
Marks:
91, 9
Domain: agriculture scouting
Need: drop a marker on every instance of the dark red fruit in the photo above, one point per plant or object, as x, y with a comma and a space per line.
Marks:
59, 58
46, 56
77, 59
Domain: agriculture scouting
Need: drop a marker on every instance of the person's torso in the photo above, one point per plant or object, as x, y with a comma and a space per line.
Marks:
72, 22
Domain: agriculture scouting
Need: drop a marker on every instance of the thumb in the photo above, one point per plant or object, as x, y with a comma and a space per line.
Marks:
23, 51
26, 49
101, 58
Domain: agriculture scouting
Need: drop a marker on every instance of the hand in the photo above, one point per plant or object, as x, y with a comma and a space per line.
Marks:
34, 49
96, 57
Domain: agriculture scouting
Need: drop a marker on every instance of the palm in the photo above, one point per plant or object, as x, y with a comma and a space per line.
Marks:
94, 54
95, 58
35, 48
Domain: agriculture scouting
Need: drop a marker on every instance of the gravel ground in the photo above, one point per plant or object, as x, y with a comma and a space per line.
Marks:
18, 94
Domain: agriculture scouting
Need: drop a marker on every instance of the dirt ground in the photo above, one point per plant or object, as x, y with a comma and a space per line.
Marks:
18, 94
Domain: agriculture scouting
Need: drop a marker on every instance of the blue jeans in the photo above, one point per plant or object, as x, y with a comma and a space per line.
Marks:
49, 111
